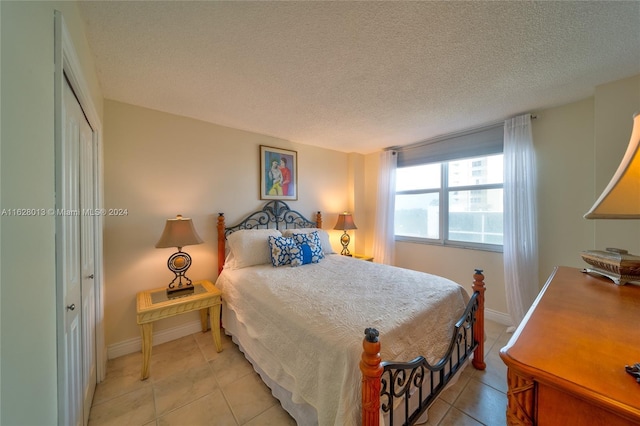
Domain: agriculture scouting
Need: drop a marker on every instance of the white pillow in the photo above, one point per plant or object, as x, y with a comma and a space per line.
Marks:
324, 237
249, 247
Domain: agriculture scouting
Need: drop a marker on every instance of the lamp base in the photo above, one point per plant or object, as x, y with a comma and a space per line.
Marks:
344, 239
616, 264
634, 370
179, 263
180, 291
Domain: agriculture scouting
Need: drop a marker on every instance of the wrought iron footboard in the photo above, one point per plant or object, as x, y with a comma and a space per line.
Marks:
417, 380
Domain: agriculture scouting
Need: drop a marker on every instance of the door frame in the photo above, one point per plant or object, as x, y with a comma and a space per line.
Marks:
67, 65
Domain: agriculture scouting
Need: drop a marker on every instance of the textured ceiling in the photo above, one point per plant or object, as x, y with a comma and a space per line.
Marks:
359, 76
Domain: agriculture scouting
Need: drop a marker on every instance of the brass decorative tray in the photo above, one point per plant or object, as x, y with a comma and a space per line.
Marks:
616, 264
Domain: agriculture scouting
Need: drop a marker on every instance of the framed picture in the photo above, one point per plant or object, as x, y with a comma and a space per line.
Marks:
278, 174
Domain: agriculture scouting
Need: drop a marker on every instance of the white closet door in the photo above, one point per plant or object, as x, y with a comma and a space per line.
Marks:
77, 233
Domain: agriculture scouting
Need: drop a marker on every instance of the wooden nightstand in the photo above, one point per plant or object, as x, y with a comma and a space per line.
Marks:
363, 257
153, 305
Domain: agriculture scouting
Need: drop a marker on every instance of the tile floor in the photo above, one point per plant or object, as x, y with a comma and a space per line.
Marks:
191, 384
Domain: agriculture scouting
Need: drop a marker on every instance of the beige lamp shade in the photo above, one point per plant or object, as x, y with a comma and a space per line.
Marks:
345, 222
178, 232
621, 198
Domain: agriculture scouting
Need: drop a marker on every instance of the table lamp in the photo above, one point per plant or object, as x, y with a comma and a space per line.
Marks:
619, 200
179, 232
345, 222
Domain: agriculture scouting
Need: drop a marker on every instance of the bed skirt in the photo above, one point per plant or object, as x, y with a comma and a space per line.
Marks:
303, 413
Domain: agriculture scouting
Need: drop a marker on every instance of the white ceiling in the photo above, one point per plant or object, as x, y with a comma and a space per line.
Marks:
359, 76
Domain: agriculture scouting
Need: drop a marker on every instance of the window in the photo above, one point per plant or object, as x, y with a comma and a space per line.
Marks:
418, 201
456, 200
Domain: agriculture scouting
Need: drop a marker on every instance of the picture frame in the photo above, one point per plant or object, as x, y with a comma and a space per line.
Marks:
278, 174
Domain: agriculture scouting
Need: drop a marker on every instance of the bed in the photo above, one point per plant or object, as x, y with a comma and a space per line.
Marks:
298, 311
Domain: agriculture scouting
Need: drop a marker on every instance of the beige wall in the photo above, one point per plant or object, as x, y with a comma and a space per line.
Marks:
370, 178
158, 165
615, 104
28, 386
564, 145
357, 199
458, 265
579, 148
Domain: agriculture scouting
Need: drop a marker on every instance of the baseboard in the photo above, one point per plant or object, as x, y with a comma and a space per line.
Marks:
499, 317
130, 346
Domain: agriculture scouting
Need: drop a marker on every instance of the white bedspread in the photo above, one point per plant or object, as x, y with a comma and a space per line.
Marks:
307, 323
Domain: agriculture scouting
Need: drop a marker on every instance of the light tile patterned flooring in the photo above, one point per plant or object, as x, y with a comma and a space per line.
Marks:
191, 384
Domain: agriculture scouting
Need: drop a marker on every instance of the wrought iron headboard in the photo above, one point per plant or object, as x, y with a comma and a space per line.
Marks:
275, 214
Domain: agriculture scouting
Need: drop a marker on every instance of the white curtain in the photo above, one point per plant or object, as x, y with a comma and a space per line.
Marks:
520, 230
383, 238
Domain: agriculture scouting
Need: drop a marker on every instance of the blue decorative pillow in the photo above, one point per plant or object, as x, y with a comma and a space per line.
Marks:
322, 234
313, 240
303, 254
279, 250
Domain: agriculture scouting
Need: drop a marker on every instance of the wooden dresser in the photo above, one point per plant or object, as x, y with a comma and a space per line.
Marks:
566, 359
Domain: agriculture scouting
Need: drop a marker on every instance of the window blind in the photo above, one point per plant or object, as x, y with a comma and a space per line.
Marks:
475, 143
